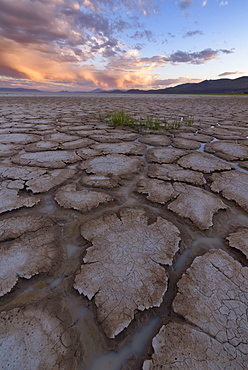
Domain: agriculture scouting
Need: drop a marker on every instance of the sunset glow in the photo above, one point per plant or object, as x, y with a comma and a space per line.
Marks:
88, 44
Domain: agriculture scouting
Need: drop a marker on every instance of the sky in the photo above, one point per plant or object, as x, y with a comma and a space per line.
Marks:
146, 44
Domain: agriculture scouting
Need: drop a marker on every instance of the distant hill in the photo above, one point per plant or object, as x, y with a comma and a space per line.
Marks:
115, 91
221, 86
18, 89
22, 89
95, 91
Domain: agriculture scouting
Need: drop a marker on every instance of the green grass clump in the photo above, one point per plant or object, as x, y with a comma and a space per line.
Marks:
153, 123
119, 118
176, 124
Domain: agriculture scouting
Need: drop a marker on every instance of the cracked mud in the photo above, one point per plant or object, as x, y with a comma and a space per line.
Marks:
123, 250
122, 269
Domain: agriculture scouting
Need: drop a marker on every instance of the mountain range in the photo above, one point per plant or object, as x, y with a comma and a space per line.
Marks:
220, 86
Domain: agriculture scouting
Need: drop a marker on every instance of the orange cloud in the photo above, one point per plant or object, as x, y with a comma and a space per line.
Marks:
36, 65
128, 70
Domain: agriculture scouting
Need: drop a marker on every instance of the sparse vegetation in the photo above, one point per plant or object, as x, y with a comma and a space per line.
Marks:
119, 118
190, 120
153, 123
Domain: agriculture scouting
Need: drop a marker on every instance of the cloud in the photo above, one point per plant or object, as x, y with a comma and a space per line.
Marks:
58, 40
223, 3
147, 34
122, 70
185, 4
204, 3
143, 6
198, 57
193, 33
64, 23
55, 25
230, 73
139, 46
174, 82
171, 35
226, 51
11, 73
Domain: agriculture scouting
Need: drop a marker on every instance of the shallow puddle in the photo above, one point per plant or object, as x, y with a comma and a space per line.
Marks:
115, 360
49, 206
71, 249
213, 242
181, 260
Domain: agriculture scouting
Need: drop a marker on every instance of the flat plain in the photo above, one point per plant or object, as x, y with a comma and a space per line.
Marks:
123, 248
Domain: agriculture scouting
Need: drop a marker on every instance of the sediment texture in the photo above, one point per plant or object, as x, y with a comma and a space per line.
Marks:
138, 236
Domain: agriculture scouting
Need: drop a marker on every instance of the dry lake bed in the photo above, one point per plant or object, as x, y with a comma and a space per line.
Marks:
123, 249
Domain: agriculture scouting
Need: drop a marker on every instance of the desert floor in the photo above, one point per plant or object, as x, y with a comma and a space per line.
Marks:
123, 249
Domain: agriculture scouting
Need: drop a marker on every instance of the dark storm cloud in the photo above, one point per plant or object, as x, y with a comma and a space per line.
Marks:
199, 57
6, 71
